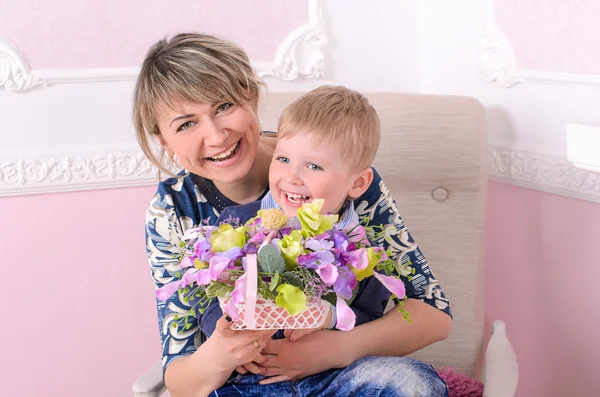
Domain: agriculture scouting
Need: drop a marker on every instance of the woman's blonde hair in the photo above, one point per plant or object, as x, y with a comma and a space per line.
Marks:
190, 67
339, 116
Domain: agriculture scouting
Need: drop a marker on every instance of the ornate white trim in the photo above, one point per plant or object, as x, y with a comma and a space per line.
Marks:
73, 170
546, 172
300, 54
499, 66
14, 70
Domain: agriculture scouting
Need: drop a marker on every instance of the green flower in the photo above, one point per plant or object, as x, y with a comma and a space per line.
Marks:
312, 221
374, 258
291, 299
291, 247
226, 237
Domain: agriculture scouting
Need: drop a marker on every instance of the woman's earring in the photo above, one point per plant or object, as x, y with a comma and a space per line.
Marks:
175, 161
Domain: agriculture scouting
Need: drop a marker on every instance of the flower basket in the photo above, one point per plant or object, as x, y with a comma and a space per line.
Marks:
268, 315
275, 272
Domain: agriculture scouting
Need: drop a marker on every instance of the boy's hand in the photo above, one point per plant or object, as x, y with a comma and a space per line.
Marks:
294, 334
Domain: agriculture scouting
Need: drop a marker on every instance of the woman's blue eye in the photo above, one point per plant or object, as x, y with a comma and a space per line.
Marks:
224, 106
186, 125
282, 159
314, 167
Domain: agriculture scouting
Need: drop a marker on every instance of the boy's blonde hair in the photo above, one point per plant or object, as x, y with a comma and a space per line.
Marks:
339, 116
190, 67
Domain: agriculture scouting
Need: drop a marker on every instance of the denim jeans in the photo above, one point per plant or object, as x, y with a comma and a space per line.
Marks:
367, 377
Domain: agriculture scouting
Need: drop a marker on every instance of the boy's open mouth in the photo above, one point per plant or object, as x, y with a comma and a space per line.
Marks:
297, 198
227, 154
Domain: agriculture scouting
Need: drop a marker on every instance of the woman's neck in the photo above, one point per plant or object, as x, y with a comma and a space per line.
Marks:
253, 185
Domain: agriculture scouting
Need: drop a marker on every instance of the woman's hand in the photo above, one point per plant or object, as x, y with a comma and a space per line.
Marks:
314, 353
235, 348
211, 365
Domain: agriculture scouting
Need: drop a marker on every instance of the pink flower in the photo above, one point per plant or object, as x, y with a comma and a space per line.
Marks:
239, 293
167, 290
345, 316
328, 273
393, 284
357, 234
218, 264
231, 310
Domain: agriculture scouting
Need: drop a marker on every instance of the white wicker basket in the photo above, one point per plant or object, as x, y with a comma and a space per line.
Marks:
268, 315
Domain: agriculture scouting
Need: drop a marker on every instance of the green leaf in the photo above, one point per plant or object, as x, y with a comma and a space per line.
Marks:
331, 298
269, 261
264, 291
294, 279
274, 282
218, 289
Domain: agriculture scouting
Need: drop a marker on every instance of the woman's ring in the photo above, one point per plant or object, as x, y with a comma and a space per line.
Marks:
256, 344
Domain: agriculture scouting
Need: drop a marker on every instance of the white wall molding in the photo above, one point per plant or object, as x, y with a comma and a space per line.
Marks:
300, 54
34, 172
498, 64
14, 70
542, 171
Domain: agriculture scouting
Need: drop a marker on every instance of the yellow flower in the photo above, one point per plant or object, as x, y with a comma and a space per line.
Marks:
291, 247
311, 219
291, 298
226, 237
273, 218
374, 259
198, 264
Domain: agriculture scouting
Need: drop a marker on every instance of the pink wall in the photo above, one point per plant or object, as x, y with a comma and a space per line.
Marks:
113, 33
83, 309
78, 316
552, 35
542, 270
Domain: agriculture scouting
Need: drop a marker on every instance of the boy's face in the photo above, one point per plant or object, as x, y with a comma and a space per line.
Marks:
303, 169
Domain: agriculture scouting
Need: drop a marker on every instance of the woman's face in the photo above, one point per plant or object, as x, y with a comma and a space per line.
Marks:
216, 141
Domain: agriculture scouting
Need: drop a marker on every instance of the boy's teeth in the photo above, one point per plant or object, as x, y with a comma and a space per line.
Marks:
226, 153
296, 198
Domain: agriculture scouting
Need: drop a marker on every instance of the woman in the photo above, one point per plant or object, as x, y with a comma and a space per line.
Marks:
197, 97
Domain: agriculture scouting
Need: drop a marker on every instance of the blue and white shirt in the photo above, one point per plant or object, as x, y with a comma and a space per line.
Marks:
188, 200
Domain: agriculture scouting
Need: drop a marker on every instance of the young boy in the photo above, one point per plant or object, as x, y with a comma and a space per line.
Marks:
326, 142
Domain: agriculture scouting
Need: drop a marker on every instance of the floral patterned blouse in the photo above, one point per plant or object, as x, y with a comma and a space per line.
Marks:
189, 200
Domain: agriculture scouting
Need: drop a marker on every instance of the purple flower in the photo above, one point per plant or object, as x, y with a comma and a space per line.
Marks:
202, 251
318, 245
340, 241
284, 231
315, 259
294, 223
345, 283
233, 253
358, 259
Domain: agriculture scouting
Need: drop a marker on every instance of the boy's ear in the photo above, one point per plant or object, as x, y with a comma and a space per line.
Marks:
362, 181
